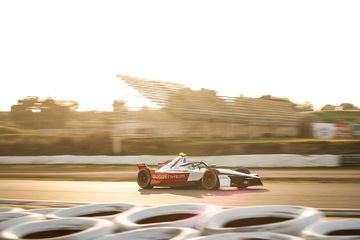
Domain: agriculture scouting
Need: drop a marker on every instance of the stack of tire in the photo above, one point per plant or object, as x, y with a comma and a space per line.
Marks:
331, 230
118, 221
87, 222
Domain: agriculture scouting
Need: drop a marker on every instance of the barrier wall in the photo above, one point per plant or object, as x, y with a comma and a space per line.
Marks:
259, 160
335, 131
356, 131
323, 130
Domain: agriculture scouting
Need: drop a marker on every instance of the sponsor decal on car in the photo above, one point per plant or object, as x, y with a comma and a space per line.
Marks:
167, 178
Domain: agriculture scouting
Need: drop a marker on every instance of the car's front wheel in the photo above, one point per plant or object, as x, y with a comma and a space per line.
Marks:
210, 180
144, 178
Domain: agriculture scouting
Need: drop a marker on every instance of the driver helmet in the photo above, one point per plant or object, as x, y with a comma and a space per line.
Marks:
183, 158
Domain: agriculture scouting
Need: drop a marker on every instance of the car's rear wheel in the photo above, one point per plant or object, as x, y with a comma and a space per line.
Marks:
210, 180
144, 178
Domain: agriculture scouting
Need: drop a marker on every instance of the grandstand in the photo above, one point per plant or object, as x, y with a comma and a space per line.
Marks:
265, 117
156, 91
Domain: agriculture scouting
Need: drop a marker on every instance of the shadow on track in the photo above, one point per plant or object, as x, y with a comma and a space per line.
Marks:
200, 193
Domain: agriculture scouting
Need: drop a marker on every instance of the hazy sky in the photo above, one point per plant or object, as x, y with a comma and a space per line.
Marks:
302, 50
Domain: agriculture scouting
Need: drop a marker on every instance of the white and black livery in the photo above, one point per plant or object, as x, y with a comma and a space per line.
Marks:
180, 173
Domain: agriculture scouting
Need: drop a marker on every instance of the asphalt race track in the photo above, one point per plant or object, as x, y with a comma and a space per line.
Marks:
320, 195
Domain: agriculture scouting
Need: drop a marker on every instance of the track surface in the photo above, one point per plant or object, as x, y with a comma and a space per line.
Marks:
76, 173
320, 195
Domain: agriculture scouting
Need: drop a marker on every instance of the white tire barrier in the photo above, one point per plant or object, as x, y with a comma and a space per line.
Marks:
249, 235
44, 211
174, 215
334, 230
9, 219
60, 229
156, 233
10, 209
278, 218
102, 210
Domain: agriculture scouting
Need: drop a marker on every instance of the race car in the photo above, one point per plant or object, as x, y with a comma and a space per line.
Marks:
180, 173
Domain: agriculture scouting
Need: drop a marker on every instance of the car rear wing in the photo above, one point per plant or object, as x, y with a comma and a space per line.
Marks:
142, 166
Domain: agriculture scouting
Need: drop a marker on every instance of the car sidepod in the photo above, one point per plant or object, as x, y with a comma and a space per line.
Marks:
173, 179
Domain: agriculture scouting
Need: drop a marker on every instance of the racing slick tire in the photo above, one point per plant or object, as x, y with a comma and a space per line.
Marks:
249, 235
173, 215
210, 180
44, 211
60, 229
243, 170
9, 219
169, 233
335, 229
285, 219
144, 179
101, 210
10, 209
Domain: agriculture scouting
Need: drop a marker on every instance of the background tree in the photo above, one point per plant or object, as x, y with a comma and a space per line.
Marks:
120, 110
328, 107
278, 99
343, 106
33, 112
273, 98
22, 112
349, 106
119, 106
306, 106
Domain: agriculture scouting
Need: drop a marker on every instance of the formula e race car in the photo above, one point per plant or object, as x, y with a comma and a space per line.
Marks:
180, 173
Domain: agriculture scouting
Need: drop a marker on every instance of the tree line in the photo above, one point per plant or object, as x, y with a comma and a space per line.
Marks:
34, 112
343, 106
